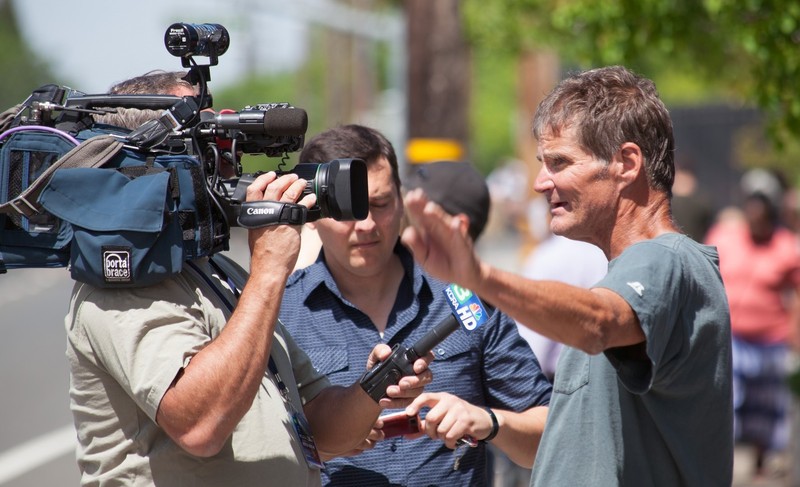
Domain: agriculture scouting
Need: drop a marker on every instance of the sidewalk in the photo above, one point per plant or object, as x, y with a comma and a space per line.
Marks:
777, 476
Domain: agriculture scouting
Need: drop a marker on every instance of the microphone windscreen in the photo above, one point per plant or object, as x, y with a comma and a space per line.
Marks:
285, 122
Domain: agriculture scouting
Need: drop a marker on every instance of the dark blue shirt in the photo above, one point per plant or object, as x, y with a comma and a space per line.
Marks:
491, 366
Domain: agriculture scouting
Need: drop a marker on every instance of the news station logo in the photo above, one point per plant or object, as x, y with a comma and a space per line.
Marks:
466, 306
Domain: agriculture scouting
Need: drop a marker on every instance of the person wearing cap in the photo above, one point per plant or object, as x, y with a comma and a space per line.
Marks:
458, 187
365, 287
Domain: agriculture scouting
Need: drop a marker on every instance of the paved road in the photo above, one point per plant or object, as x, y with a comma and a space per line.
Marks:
36, 438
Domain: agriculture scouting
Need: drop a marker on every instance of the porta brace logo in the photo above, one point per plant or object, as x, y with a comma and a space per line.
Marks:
466, 306
117, 264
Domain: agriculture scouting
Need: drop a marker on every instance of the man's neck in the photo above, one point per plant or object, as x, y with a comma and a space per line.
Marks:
373, 295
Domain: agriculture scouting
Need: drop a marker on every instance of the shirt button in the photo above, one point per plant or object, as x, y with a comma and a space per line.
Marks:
440, 352
393, 447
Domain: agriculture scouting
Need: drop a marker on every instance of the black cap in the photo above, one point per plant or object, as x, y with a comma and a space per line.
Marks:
457, 187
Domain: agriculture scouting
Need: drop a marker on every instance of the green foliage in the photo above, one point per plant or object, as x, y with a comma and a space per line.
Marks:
748, 49
303, 89
493, 108
22, 72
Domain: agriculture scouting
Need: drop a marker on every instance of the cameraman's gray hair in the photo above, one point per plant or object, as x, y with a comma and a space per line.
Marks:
157, 82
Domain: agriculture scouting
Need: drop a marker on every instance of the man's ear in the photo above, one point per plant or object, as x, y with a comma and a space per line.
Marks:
463, 223
630, 163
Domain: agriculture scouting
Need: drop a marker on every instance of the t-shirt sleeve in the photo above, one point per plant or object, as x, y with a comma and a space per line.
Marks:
141, 339
309, 381
648, 276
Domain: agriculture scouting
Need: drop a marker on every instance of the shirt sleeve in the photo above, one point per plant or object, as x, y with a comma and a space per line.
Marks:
309, 381
142, 339
513, 379
649, 277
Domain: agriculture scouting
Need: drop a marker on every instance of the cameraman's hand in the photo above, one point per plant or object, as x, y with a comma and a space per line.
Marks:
409, 387
368, 443
276, 245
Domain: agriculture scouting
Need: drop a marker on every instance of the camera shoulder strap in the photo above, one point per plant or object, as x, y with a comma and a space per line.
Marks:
93, 152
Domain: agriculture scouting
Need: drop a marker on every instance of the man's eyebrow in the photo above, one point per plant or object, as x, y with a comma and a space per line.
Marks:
554, 157
382, 196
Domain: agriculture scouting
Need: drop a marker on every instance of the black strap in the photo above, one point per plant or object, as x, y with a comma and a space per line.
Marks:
495, 425
236, 277
93, 152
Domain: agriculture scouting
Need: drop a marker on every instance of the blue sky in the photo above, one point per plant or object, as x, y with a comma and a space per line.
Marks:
96, 43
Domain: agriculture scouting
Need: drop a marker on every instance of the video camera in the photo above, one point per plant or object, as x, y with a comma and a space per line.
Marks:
131, 206
219, 140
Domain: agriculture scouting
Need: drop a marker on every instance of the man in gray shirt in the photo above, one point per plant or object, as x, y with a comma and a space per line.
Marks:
642, 392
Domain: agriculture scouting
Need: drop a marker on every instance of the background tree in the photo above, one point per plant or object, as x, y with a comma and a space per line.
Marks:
745, 50
23, 71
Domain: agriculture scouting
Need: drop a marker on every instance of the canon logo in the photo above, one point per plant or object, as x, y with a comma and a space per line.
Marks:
261, 211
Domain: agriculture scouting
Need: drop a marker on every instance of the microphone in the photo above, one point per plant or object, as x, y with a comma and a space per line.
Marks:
467, 311
265, 120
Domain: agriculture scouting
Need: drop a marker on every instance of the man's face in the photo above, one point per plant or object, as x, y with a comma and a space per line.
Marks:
365, 248
576, 185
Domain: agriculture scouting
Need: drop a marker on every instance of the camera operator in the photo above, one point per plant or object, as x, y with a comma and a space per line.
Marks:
153, 82
192, 381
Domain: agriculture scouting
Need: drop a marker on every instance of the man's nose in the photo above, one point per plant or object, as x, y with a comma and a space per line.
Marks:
543, 181
367, 224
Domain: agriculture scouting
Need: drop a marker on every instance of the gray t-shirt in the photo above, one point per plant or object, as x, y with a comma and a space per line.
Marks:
616, 421
125, 347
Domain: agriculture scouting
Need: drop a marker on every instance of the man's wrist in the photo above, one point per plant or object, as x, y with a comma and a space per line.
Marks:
495, 425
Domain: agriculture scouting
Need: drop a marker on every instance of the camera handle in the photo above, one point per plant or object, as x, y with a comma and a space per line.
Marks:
257, 214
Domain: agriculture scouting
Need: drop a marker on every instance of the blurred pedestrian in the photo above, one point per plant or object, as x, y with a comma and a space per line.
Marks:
760, 265
692, 209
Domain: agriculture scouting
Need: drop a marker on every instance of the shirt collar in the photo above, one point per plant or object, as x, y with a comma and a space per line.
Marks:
317, 274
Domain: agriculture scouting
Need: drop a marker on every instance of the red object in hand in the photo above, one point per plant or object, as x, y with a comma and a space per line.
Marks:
398, 424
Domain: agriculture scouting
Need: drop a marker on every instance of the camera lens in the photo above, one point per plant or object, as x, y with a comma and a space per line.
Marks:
340, 186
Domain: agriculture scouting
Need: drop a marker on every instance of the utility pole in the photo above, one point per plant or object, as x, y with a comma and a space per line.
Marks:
438, 82
538, 74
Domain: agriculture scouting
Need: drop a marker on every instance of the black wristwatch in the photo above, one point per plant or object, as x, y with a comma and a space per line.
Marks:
495, 425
